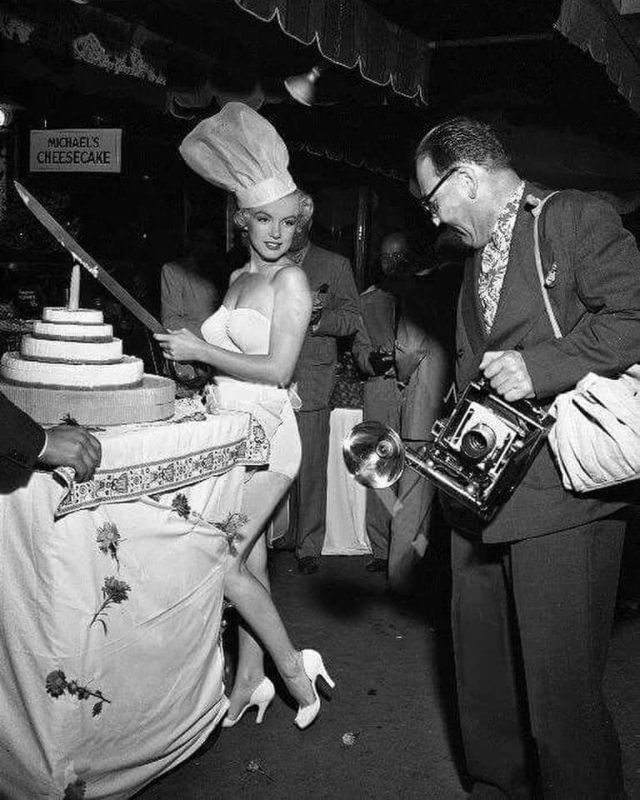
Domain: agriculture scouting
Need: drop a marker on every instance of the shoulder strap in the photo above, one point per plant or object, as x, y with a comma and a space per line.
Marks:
537, 206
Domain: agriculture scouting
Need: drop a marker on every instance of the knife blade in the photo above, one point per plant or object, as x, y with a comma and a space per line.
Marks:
184, 371
88, 262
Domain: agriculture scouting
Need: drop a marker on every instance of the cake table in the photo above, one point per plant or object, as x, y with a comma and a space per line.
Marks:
111, 591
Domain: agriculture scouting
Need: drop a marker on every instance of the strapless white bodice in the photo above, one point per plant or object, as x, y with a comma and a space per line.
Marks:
245, 330
241, 330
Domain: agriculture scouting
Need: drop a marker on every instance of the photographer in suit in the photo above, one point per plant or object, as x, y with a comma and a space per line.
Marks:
336, 312
534, 589
24, 444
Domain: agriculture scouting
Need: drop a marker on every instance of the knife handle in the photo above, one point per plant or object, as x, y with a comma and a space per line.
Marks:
184, 370
191, 374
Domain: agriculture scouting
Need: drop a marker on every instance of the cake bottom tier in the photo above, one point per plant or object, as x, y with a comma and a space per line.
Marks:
150, 401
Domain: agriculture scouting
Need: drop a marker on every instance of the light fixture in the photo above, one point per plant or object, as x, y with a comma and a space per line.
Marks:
6, 116
8, 110
303, 88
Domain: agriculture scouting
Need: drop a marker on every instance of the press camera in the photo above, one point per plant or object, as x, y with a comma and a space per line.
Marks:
477, 455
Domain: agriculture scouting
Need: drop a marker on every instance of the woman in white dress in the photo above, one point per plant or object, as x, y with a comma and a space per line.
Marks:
253, 342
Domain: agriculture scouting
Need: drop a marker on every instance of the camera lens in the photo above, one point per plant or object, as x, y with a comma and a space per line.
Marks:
478, 442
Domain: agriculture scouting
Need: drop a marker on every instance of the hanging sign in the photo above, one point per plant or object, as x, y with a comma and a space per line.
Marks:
76, 150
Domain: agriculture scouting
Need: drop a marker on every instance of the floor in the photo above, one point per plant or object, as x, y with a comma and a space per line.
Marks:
388, 729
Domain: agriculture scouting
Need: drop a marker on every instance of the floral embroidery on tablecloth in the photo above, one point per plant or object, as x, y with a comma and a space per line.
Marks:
108, 540
114, 592
152, 478
56, 684
231, 527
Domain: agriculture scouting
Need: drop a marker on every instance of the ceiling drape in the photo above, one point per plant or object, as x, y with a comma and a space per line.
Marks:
612, 39
351, 34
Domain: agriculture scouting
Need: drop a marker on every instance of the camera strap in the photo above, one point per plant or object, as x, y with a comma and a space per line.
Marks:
537, 206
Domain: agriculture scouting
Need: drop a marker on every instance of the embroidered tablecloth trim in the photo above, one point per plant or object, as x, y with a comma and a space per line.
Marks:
138, 480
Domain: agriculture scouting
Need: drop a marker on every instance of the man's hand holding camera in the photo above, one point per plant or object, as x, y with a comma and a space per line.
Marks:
507, 373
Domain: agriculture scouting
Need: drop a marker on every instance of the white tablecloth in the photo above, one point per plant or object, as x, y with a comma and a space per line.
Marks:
345, 529
111, 669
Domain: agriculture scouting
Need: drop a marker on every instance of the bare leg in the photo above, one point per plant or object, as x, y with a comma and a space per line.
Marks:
250, 665
247, 587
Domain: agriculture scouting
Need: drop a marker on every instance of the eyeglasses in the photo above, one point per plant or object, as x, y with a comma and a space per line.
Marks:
395, 258
428, 205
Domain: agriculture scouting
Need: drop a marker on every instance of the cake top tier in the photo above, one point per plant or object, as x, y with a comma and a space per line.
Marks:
86, 316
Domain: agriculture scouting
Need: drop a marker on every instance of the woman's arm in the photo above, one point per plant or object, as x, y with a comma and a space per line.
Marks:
289, 321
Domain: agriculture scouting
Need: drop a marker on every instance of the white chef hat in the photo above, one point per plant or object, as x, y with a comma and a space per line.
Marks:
238, 150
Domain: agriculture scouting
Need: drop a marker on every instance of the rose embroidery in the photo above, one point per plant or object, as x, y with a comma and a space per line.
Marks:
108, 540
57, 684
114, 592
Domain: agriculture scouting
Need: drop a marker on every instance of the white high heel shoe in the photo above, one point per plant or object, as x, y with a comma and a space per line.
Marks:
313, 666
261, 696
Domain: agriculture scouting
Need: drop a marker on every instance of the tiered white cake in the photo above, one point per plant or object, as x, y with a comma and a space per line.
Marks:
72, 349
71, 365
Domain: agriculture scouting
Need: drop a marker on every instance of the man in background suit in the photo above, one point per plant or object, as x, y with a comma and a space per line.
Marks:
533, 589
189, 293
422, 362
402, 349
373, 351
335, 313
24, 444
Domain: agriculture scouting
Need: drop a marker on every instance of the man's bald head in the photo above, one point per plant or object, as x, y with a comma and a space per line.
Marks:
397, 242
395, 254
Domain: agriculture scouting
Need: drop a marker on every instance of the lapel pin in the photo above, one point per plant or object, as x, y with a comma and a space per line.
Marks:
551, 276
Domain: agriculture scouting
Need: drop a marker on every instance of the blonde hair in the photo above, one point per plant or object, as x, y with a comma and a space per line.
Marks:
305, 205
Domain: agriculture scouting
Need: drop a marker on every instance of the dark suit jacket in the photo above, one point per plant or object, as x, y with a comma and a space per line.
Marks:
187, 297
376, 328
596, 298
420, 332
21, 440
315, 371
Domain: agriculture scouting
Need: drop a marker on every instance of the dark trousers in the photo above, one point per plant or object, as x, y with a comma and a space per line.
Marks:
308, 497
531, 624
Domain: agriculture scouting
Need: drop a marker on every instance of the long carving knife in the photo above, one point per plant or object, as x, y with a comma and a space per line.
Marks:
88, 262
184, 371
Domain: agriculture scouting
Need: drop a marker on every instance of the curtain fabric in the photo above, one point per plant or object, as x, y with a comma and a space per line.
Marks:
349, 33
611, 39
